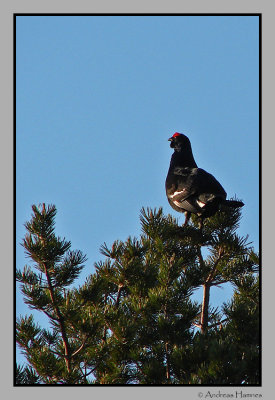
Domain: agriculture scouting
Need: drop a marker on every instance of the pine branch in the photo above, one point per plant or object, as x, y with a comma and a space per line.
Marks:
80, 348
50, 316
219, 323
168, 376
221, 282
61, 321
120, 287
47, 251
215, 266
205, 307
201, 260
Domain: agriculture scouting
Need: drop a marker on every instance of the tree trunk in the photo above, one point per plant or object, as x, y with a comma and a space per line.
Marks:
204, 308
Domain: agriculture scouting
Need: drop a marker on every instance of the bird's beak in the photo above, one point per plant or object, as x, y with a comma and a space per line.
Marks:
170, 139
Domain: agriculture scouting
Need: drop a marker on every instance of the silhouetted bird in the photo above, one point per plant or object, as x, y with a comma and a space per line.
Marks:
190, 189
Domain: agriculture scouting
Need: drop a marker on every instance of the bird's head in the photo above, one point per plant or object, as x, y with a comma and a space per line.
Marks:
179, 141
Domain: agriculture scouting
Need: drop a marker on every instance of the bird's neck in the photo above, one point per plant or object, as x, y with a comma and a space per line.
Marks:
183, 158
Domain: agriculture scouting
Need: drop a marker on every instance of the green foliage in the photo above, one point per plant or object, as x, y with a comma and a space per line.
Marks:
134, 320
26, 376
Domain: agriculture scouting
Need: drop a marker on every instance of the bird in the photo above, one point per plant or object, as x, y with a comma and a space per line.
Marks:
190, 189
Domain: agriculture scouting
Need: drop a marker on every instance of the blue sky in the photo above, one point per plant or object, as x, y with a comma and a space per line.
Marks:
97, 97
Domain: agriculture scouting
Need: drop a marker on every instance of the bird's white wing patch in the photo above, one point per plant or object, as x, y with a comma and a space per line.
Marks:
200, 203
176, 193
177, 203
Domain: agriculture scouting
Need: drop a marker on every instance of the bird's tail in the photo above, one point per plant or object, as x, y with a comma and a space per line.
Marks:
233, 203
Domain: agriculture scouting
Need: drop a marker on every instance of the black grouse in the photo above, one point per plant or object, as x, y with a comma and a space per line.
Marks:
190, 189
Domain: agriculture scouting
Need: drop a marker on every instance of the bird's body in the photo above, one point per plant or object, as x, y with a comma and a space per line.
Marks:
190, 189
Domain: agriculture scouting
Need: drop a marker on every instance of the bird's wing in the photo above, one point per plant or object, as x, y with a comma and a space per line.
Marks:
195, 184
182, 187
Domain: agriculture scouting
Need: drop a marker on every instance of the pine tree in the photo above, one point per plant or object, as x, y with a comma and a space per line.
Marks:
134, 320
49, 352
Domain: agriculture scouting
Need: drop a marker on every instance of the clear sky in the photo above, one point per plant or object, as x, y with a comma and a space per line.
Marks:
97, 97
